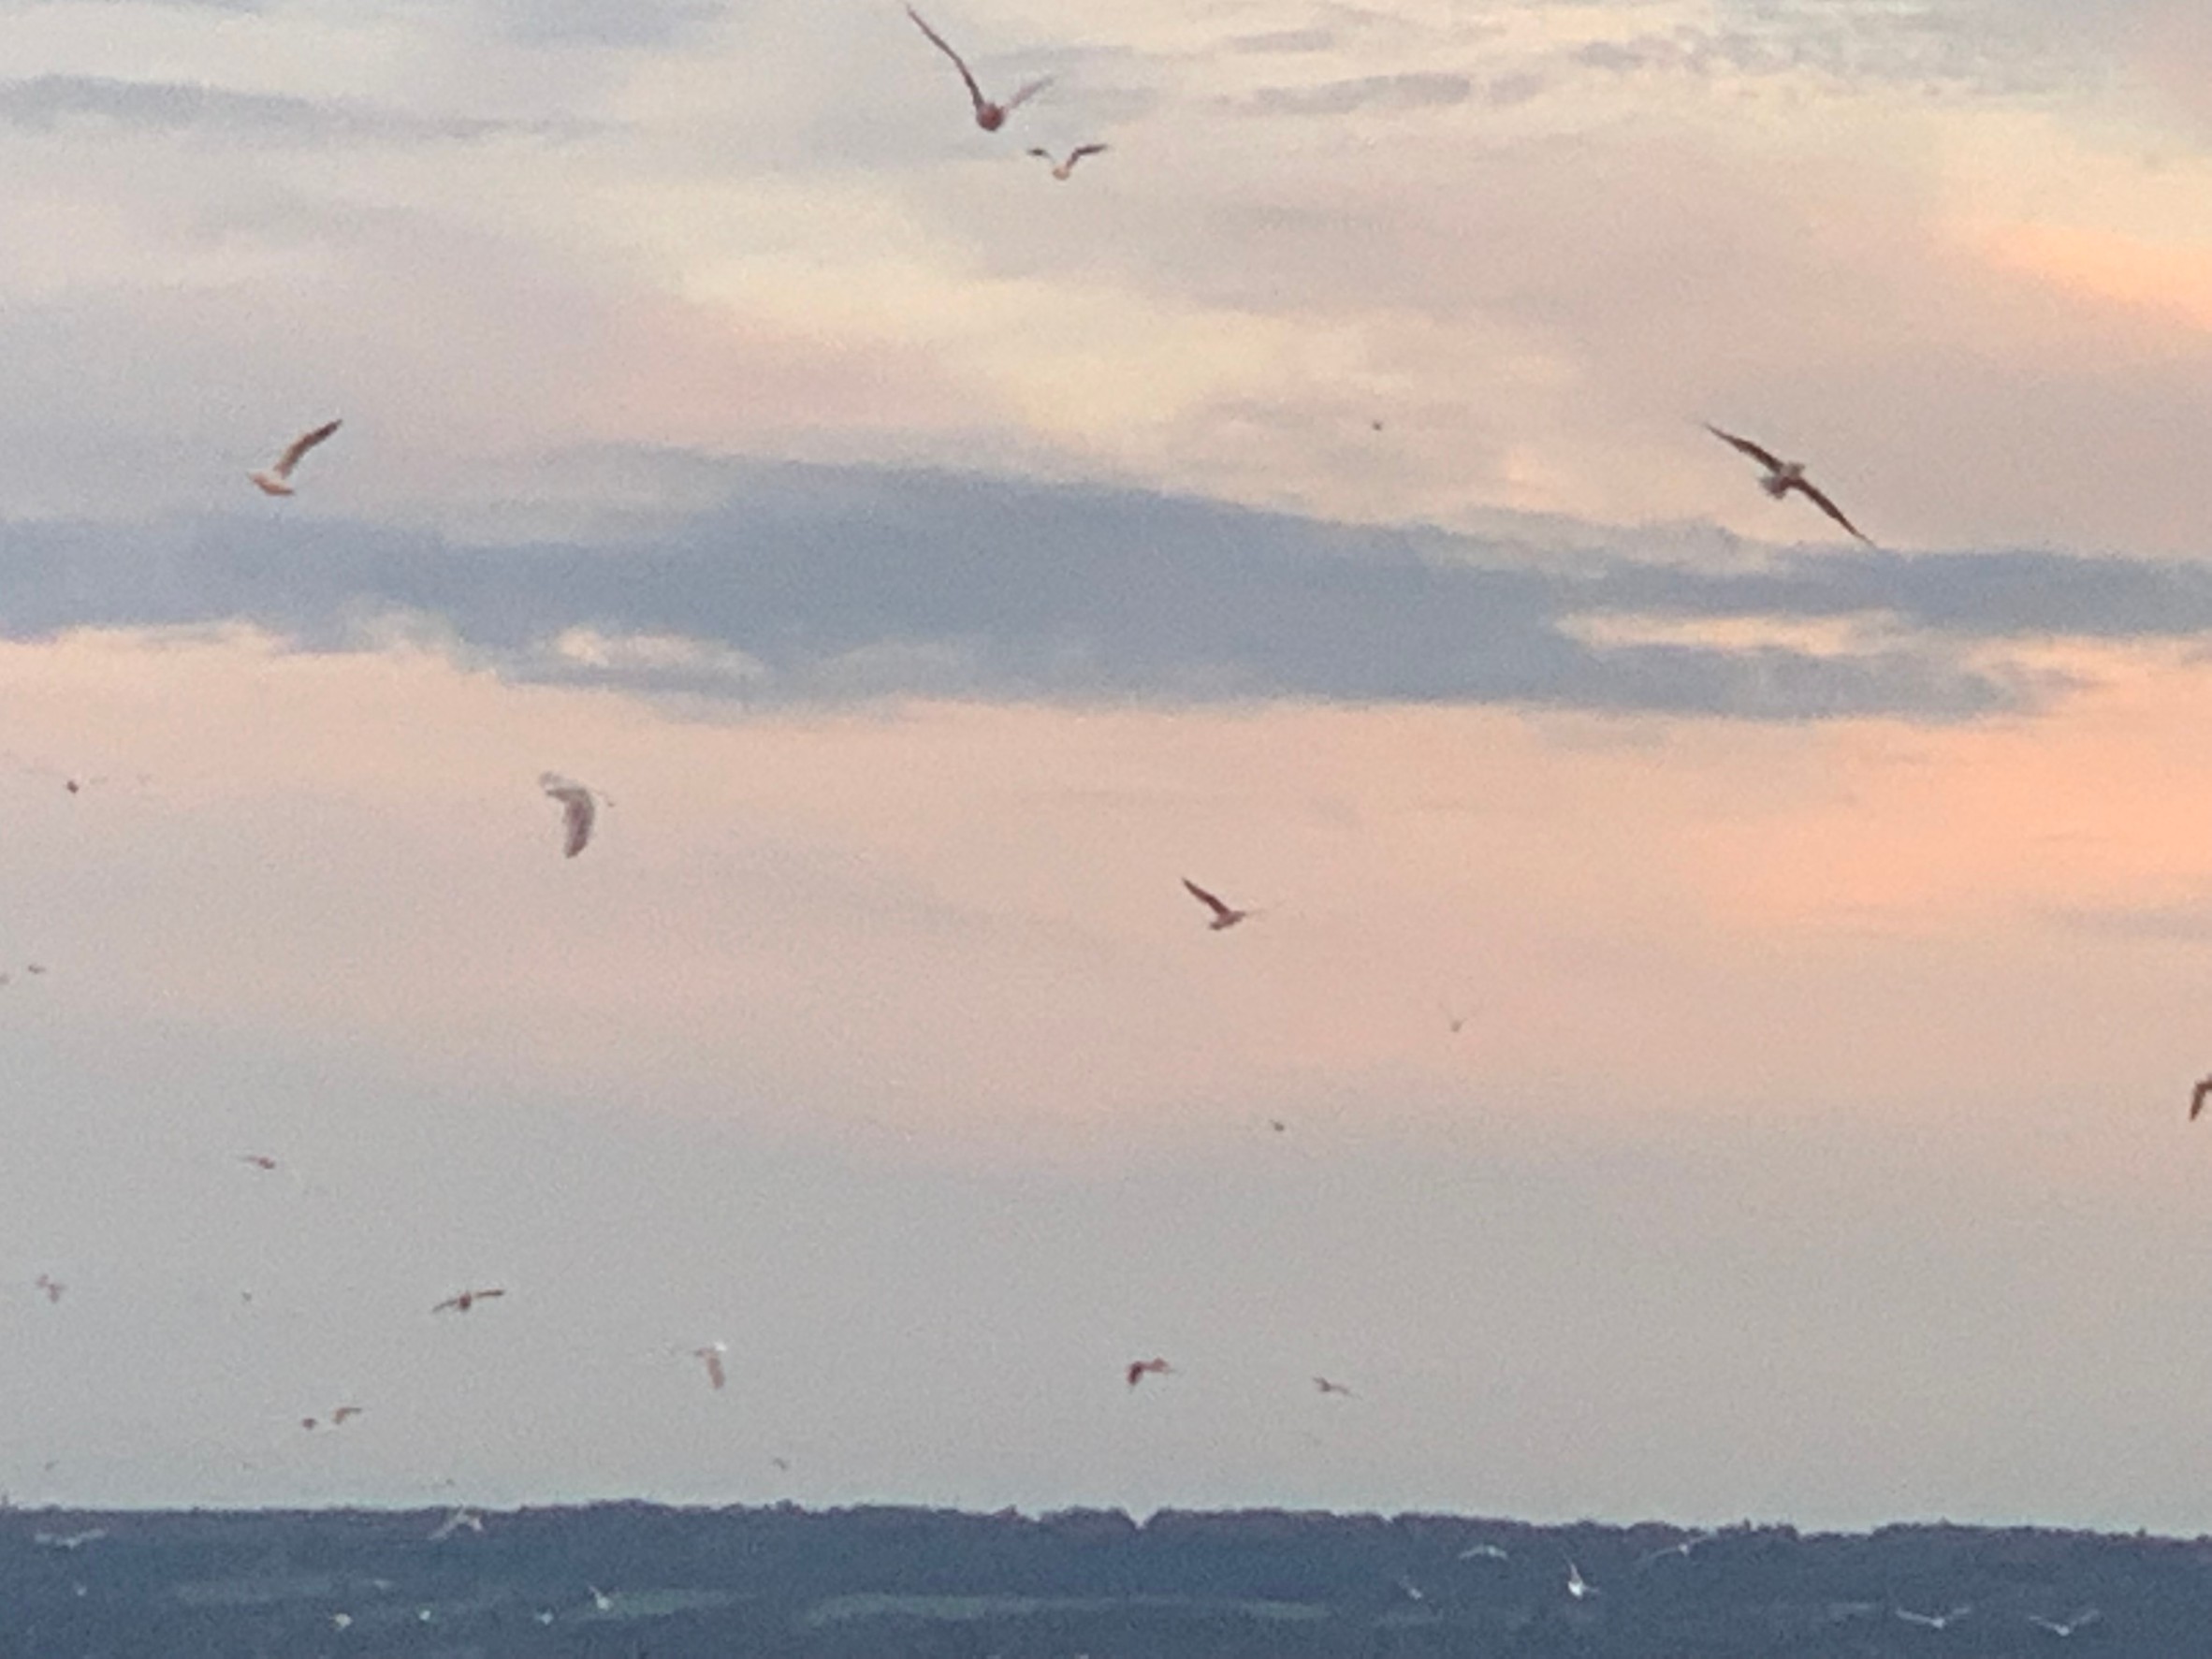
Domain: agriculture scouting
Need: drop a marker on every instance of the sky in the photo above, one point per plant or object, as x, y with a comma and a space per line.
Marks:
1730, 994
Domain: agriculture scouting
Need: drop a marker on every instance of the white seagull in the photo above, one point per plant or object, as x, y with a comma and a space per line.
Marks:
1682, 1549
278, 479
988, 116
1784, 476
579, 809
601, 1599
1933, 1620
1483, 1552
2086, 1617
1224, 915
1577, 1586
1062, 168
455, 1523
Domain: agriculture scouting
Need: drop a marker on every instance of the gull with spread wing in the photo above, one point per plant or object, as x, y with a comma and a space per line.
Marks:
277, 480
1224, 915
988, 116
1784, 476
1062, 168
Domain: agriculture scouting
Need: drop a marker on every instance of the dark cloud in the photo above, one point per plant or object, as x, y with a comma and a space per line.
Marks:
829, 583
50, 103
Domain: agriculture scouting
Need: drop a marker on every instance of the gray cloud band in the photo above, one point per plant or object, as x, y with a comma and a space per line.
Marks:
820, 583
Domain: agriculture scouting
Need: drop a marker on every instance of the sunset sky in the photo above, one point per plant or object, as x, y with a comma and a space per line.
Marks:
934, 563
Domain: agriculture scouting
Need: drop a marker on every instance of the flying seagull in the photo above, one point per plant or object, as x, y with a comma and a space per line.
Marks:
1224, 915
1682, 1549
466, 1300
1577, 1586
578, 810
337, 1417
1784, 476
1933, 1620
52, 1286
1062, 168
278, 479
2086, 1617
455, 1522
68, 1541
260, 1160
601, 1599
988, 116
2198, 1096
1139, 1369
711, 1356
1483, 1552
1326, 1387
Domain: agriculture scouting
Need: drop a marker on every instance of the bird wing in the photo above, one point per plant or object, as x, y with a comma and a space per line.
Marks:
1812, 493
714, 1368
576, 815
1024, 94
2197, 1097
450, 1301
1207, 899
975, 92
577, 811
1771, 462
300, 446
1081, 151
1046, 154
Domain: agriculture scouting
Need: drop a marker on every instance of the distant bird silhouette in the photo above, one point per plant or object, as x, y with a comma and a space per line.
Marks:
1933, 1620
1224, 915
2198, 1096
1784, 476
1483, 1552
1062, 168
466, 1300
52, 1286
711, 1355
601, 1599
341, 1620
1413, 1590
580, 810
1577, 1586
1326, 1387
260, 1160
2080, 1620
1139, 1369
988, 116
278, 479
